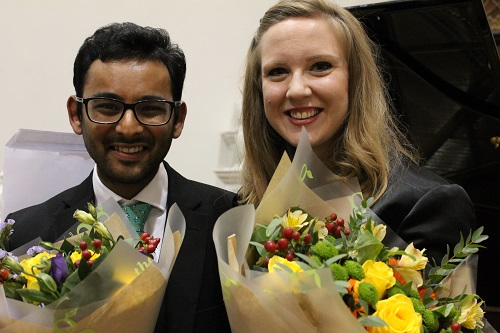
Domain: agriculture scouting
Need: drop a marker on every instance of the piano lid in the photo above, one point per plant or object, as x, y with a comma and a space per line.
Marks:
444, 74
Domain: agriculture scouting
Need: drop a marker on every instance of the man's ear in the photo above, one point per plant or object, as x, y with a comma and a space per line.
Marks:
75, 118
181, 117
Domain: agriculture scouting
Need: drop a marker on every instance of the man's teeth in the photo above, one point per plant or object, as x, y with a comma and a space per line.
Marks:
304, 114
129, 150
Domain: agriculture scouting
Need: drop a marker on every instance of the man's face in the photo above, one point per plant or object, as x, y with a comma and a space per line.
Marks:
127, 153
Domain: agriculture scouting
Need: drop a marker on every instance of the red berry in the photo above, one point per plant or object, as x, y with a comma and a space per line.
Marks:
330, 226
266, 262
347, 232
337, 231
307, 238
151, 248
282, 244
270, 246
289, 256
333, 216
90, 263
83, 245
154, 241
86, 254
144, 235
296, 235
455, 327
4, 274
287, 233
97, 243
340, 221
77, 263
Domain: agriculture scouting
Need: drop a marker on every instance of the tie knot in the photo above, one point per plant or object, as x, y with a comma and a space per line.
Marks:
137, 213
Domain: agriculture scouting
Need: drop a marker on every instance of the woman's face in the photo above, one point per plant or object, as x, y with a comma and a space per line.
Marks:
304, 80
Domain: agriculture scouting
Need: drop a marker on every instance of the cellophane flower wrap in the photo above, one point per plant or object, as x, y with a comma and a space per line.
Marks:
332, 273
122, 293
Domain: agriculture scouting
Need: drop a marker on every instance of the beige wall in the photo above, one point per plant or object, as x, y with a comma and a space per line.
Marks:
39, 40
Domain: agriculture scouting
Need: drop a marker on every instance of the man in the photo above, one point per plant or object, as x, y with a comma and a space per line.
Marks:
128, 81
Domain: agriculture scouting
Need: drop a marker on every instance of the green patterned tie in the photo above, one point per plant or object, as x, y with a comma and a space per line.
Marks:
137, 214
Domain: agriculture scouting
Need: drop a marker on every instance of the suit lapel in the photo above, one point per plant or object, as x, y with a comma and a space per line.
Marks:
186, 278
76, 199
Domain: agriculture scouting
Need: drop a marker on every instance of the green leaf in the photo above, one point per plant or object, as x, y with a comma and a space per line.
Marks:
481, 238
308, 260
46, 282
260, 248
372, 321
272, 226
335, 258
36, 296
477, 235
458, 248
259, 235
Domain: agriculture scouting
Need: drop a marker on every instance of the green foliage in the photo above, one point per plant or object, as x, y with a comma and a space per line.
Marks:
451, 260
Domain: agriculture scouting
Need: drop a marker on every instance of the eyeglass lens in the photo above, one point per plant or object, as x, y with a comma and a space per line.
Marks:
148, 112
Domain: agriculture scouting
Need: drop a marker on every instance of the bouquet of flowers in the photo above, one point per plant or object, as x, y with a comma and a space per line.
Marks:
91, 281
320, 265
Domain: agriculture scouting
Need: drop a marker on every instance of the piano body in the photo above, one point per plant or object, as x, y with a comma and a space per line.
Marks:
444, 77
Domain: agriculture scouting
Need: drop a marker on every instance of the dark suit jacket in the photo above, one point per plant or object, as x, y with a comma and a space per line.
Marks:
425, 209
193, 300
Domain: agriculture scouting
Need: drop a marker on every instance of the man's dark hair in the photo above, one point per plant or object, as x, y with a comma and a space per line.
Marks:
125, 41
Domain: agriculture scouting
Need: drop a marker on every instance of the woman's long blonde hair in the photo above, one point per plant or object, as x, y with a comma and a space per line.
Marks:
369, 141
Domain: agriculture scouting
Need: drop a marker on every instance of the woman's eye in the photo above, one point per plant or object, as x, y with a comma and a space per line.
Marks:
321, 66
277, 72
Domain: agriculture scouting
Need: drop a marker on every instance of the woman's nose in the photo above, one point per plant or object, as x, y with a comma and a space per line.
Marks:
299, 87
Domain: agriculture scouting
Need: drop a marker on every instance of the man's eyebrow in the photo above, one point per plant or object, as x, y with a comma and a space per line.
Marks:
106, 94
115, 96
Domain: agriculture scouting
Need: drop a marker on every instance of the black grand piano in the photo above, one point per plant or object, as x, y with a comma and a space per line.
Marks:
444, 72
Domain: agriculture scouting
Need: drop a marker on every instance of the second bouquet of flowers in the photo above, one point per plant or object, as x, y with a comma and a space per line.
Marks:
310, 258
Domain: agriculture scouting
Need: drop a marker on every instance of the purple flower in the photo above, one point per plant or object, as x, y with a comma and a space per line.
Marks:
58, 268
34, 250
9, 223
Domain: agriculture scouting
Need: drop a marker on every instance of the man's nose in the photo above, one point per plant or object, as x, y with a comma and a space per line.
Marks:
129, 125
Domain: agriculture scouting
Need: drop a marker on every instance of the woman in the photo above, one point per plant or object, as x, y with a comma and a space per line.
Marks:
311, 64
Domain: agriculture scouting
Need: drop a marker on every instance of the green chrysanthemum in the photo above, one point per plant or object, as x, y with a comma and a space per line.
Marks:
413, 293
417, 305
339, 272
368, 292
430, 320
355, 270
317, 259
325, 250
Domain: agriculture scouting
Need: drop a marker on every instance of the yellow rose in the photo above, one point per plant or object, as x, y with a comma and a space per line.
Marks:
472, 314
29, 266
380, 275
398, 312
274, 267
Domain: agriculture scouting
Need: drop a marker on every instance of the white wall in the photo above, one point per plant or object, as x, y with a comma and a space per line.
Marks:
39, 40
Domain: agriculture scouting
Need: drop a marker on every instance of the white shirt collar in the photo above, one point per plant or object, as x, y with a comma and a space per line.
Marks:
155, 193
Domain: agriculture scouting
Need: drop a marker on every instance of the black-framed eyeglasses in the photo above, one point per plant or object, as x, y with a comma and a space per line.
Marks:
104, 110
